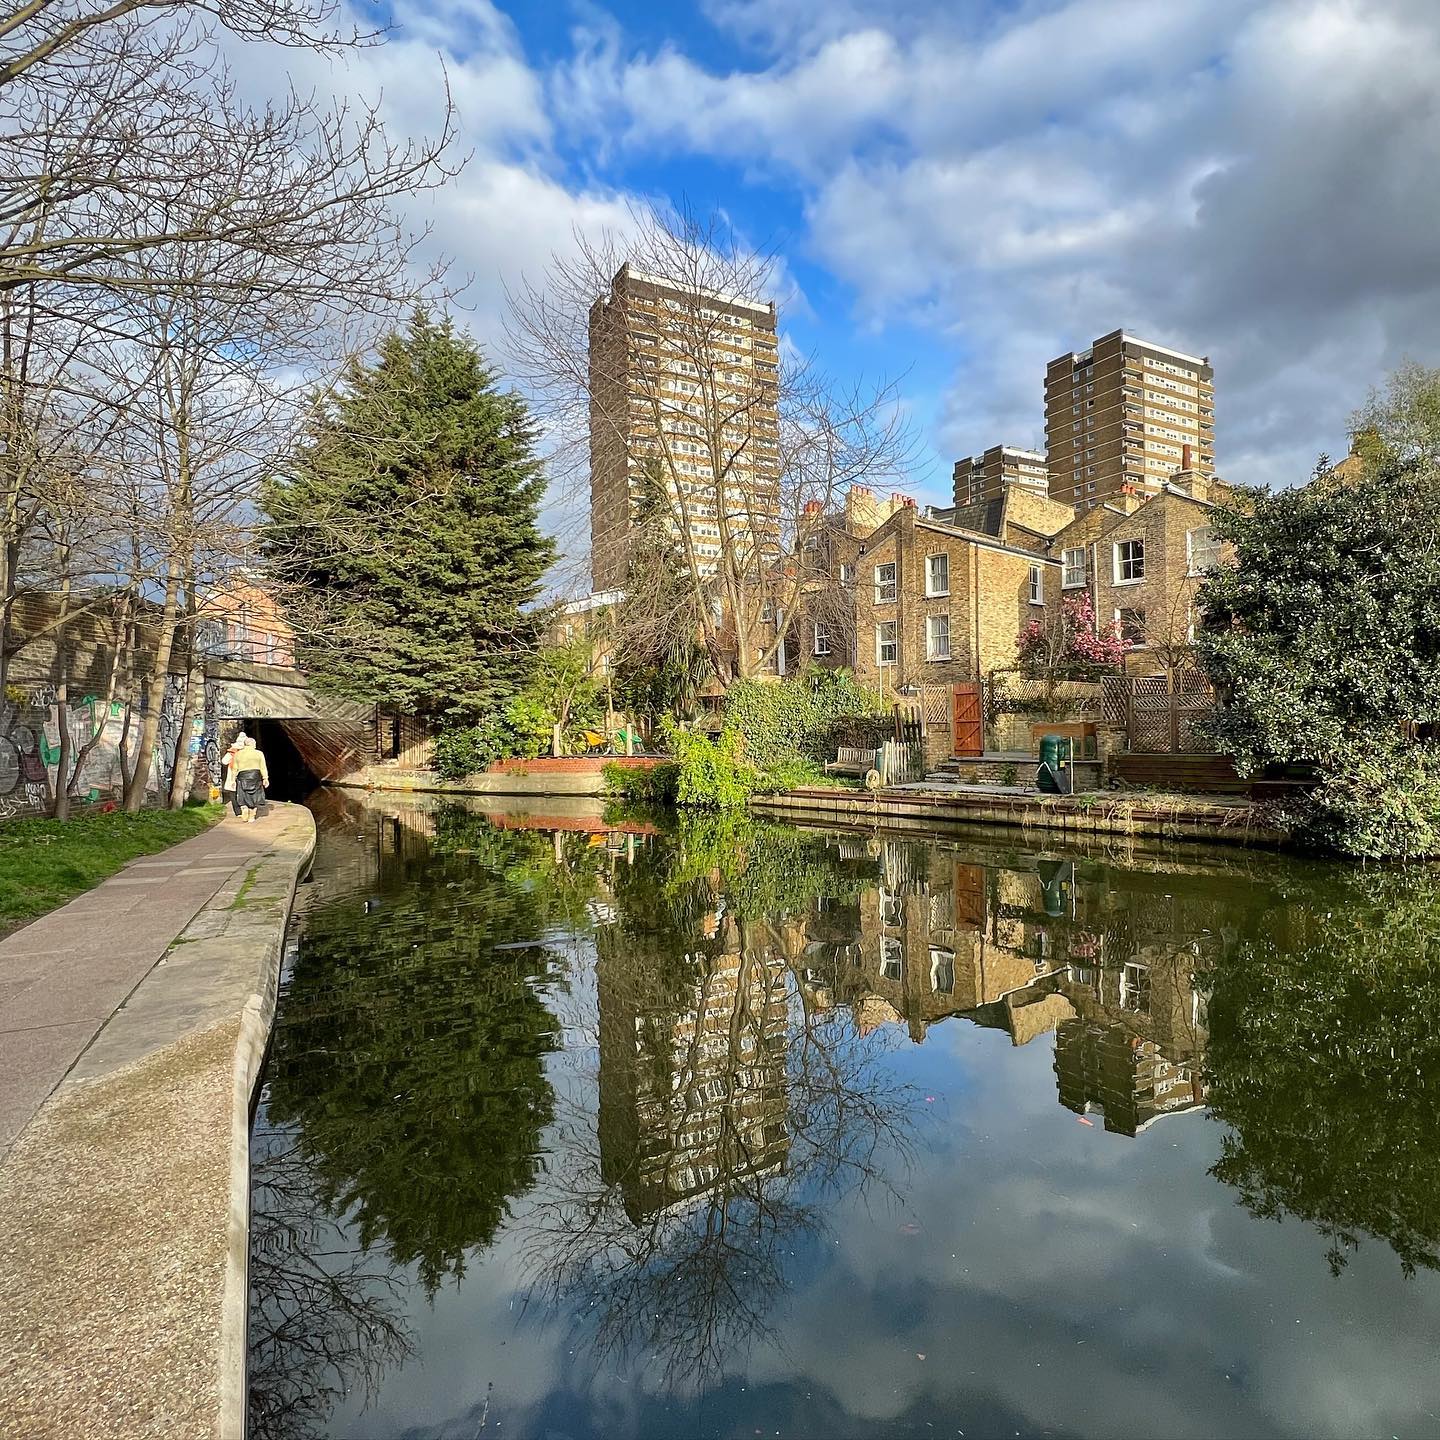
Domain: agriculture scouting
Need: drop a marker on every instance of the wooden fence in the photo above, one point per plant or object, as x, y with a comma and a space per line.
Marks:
900, 761
1160, 713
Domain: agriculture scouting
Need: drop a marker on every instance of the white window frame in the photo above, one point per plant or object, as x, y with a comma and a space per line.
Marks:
1037, 585
1211, 545
1135, 988
931, 588
1068, 568
847, 573
940, 957
1135, 558
820, 638
932, 651
892, 952
884, 586
893, 642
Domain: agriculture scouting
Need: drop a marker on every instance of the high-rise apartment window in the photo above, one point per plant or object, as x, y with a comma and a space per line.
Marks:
1131, 625
937, 574
1203, 549
884, 583
885, 644
1072, 571
1037, 585
937, 637
822, 638
1129, 561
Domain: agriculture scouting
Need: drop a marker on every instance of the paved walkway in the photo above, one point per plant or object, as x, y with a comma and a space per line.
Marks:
65, 974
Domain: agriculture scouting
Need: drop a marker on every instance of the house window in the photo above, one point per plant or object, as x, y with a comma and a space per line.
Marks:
1037, 586
1131, 625
767, 612
1135, 988
885, 645
1072, 572
892, 963
1129, 561
822, 638
937, 637
884, 583
1203, 550
892, 907
942, 970
937, 574
847, 574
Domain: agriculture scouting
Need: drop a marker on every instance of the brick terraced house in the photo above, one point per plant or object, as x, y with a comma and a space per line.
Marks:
1142, 558
937, 604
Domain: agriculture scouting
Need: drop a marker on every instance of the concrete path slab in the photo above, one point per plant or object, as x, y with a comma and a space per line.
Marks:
65, 974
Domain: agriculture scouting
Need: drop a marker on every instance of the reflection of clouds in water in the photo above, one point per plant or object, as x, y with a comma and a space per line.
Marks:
1007, 1279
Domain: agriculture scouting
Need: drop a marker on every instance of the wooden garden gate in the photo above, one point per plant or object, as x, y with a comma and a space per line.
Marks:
967, 722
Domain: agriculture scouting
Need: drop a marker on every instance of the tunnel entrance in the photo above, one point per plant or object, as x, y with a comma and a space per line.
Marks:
290, 777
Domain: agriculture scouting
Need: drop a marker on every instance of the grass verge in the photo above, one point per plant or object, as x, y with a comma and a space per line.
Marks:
44, 863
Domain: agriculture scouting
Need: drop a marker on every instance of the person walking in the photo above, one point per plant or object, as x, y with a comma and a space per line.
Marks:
252, 775
227, 770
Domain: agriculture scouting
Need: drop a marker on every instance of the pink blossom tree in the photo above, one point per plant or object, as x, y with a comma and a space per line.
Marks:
1070, 645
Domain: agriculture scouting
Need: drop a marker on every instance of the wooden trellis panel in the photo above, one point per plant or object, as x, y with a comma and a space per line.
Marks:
1162, 713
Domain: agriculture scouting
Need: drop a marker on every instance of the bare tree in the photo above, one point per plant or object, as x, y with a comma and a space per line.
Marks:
700, 433
111, 113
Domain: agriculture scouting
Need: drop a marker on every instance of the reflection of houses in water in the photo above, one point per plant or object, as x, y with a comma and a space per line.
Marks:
692, 1065
1109, 969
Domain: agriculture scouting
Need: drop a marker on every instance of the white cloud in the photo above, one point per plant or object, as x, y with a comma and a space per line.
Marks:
1250, 180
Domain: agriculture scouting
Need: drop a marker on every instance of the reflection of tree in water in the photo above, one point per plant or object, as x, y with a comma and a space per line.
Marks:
326, 1319
411, 1053
729, 1117
1324, 1063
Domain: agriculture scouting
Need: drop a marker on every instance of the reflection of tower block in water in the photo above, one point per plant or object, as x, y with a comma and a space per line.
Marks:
692, 1083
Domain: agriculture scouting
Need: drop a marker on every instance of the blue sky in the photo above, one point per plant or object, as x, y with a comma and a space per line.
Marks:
963, 189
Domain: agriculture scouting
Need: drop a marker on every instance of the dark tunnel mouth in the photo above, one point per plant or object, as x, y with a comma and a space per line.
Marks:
290, 777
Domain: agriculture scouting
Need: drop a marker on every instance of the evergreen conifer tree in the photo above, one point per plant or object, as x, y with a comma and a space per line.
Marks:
405, 538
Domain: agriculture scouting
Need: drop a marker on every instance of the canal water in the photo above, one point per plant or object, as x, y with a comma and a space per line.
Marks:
732, 1129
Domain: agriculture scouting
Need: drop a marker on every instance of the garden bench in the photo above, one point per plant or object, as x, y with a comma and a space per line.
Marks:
851, 760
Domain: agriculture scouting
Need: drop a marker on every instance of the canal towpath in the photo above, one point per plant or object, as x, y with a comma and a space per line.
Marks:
64, 975
144, 1007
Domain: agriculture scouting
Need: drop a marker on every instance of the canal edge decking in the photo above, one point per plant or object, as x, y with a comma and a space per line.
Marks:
127, 1297
1071, 817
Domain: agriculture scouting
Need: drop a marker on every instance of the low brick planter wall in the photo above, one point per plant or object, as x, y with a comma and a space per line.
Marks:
568, 775
575, 764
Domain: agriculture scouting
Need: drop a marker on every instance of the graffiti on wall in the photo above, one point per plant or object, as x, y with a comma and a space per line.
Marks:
30, 751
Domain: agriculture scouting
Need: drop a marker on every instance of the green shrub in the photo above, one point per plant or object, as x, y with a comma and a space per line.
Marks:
710, 773
646, 785
467, 750
1377, 800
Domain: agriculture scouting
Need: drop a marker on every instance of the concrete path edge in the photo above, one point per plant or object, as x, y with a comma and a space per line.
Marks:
256, 1021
